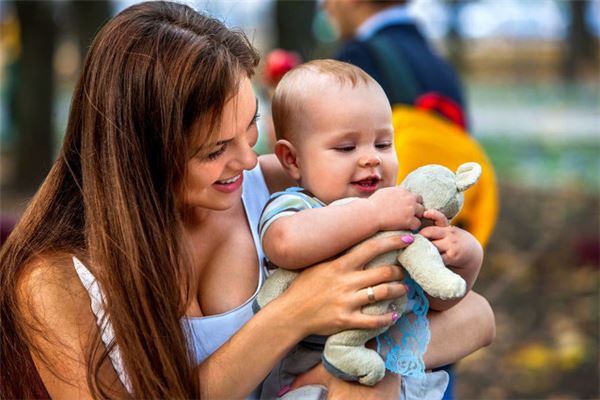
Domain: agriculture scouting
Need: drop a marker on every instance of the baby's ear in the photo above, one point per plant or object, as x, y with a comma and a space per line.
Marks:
288, 157
466, 175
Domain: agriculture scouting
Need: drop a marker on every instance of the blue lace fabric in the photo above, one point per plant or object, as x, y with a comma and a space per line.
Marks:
404, 344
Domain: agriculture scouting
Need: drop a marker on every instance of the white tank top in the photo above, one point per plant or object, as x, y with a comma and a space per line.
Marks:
204, 334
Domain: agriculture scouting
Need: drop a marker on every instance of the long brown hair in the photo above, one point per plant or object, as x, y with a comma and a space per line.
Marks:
152, 72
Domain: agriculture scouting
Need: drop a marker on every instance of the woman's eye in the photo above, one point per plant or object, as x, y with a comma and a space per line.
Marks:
345, 149
215, 154
383, 146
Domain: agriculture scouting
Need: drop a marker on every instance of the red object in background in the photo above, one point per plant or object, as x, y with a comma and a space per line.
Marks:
587, 250
444, 106
277, 63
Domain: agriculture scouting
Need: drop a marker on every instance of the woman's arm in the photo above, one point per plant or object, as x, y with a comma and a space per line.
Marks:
460, 331
275, 176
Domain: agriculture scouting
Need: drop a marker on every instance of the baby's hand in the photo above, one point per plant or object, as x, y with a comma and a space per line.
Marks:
457, 247
397, 208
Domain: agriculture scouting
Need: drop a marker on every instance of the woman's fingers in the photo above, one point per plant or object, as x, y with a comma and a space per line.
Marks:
365, 321
386, 291
382, 274
368, 250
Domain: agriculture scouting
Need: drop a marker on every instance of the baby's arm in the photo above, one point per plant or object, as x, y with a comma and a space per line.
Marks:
304, 237
460, 250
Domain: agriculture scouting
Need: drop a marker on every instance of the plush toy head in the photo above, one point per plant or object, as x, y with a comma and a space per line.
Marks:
441, 188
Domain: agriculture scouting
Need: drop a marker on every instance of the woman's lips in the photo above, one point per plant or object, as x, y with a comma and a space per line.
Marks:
229, 185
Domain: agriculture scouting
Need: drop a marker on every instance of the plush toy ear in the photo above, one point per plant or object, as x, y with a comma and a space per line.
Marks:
466, 175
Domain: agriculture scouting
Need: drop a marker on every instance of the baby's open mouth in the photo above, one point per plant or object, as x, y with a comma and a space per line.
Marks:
367, 182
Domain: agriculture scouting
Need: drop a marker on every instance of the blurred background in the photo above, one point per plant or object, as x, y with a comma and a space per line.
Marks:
531, 71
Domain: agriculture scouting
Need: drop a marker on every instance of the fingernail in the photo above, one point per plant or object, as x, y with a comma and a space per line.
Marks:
283, 390
395, 316
406, 287
408, 239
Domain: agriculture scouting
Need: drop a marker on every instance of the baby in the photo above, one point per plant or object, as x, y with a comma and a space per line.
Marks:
335, 138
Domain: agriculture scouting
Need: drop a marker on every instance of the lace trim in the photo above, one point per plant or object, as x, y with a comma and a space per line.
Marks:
404, 344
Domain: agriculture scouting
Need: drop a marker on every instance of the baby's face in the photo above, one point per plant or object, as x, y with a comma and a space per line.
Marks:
347, 142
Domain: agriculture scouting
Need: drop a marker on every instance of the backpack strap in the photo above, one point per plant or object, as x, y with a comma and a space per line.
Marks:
398, 81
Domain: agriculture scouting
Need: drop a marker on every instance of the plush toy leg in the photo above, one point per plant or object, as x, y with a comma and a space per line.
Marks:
277, 283
425, 265
346, 357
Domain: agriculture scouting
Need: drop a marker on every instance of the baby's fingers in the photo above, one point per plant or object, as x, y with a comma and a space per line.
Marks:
437, 217
434, 232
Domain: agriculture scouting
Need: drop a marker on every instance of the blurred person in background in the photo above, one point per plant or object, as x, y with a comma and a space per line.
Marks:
367, 27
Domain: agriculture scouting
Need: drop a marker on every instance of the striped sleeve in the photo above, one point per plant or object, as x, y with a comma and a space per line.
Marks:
283, 204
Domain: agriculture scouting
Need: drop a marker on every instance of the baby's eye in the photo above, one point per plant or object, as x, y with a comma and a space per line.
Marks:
345, 148
383, 146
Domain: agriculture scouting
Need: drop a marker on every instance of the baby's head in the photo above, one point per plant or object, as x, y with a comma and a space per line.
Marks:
334, 128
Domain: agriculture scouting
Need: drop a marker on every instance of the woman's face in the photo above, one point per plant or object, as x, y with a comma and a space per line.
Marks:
213, 176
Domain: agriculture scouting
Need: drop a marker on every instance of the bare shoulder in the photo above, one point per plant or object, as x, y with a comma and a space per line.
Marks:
50, 289
61, 327
275, 177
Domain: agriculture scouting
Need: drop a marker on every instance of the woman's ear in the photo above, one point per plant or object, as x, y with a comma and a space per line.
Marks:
288, 157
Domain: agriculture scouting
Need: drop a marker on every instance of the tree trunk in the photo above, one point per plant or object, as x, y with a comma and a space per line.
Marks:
34, 94
580, 45
294, 26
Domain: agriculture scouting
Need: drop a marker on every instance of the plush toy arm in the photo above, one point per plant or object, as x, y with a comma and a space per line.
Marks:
425, 265
273, 287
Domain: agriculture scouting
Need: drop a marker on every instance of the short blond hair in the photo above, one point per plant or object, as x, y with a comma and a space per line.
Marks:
290, 92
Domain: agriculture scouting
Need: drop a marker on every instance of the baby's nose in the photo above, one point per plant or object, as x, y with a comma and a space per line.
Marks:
369, 161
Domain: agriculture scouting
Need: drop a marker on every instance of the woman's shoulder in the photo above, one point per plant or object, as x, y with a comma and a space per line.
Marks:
275, 176
49, 289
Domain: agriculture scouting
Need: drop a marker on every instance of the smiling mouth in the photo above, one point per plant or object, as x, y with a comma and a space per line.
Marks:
367, 182
230, 180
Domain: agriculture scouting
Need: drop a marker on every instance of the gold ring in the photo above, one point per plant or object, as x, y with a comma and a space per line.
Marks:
371, 294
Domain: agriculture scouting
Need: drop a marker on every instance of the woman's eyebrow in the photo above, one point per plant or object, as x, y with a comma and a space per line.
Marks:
221, 142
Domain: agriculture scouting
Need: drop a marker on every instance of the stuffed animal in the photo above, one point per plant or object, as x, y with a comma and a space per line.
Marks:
345, 354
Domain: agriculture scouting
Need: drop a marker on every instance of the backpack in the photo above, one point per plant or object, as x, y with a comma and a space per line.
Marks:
431, 129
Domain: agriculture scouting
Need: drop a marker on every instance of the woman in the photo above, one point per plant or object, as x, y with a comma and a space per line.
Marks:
145, 225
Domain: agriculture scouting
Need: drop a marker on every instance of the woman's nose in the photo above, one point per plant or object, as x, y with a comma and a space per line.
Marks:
247, 158
369, 161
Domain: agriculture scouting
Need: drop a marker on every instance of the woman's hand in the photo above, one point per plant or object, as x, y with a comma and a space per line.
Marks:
328, 297
387, 388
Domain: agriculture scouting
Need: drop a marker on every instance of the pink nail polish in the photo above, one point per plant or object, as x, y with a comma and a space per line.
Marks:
395, 316
406, 287
408, 239
283, 390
